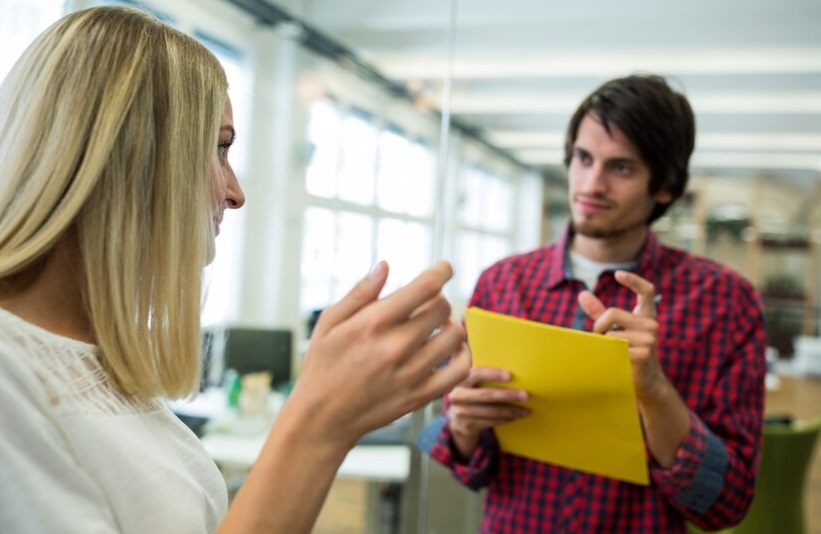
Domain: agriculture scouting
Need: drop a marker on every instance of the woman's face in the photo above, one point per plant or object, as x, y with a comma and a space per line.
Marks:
227, 193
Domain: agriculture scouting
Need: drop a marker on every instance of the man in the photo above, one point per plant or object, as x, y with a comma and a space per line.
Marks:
694, 328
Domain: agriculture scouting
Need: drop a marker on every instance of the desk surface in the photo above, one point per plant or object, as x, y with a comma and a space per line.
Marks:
796, 396
389, 463
240, 447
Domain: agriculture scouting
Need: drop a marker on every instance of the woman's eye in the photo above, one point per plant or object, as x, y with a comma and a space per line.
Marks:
222, 150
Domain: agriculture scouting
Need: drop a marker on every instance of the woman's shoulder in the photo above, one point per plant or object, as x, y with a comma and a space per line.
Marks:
65, 372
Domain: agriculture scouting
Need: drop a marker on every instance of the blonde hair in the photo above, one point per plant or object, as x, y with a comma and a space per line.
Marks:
110, 122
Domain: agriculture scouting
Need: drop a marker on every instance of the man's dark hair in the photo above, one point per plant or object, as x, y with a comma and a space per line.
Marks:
656, 119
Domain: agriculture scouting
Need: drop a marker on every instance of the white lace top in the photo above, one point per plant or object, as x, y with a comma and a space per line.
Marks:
78, 457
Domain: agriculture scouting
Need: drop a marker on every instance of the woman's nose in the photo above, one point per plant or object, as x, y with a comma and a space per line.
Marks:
234, 196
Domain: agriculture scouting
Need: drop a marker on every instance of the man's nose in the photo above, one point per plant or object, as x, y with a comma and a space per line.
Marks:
595, 179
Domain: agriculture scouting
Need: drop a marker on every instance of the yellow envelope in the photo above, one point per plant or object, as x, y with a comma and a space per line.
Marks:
583, 412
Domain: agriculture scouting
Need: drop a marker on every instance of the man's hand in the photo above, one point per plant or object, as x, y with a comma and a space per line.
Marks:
665, 417
639, 328
474, 408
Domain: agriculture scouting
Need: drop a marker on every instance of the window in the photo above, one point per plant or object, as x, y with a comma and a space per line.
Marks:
20, 22
406, 246
402, 163
224, 275
357, 160
485, 225
324, 135
158, 14
369, 198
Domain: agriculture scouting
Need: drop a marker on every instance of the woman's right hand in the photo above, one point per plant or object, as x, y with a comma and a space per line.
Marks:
369, 362
372, 360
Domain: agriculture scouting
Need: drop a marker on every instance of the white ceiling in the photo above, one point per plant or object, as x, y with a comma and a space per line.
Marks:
751, 68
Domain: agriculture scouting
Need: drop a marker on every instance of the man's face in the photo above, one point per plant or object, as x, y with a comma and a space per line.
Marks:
608, 182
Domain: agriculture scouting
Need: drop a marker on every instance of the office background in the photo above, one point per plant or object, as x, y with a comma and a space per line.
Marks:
345, 158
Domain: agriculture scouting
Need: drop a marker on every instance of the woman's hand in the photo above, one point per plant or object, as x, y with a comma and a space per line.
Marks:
373, 360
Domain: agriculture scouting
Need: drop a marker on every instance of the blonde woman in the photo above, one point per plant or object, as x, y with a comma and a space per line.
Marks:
114, 179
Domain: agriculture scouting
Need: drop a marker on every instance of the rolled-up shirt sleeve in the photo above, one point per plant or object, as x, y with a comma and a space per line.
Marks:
712, 480
697, 476
474, 472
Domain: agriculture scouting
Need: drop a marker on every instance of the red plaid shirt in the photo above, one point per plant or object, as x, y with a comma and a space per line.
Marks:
711, 346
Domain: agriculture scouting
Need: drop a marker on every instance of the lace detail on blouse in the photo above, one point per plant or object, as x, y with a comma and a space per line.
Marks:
69, 371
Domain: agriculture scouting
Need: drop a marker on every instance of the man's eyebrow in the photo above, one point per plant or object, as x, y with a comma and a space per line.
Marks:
615, 159
623, 159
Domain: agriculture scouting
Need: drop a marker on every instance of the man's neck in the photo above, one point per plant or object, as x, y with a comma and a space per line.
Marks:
622, 248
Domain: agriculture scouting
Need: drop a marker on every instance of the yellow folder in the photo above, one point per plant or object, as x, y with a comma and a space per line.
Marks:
583, 412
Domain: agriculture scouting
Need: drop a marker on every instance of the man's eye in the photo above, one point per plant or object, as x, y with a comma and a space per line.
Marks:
623, 168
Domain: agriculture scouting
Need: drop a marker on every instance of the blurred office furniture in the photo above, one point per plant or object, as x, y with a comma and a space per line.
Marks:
247, 350
313, 318
384, 467
778, 505
807, 355
449, 507
433, 501
381, 458
800, 398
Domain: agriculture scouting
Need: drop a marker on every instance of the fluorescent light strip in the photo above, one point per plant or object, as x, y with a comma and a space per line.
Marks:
789, 102
790, 141
757, 160
743, 160
746, 141
727, 61
514, 138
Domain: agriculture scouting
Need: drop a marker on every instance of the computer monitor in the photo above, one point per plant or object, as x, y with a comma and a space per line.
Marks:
250, 350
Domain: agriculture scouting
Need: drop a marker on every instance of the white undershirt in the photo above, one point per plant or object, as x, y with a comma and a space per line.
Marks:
588, 271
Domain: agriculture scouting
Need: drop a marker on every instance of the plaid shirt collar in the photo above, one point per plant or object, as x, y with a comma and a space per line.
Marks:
559, 261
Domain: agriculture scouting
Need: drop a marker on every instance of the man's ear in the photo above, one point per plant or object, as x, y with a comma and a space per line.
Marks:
664, 197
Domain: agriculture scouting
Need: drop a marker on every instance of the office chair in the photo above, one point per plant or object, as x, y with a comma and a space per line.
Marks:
778, 505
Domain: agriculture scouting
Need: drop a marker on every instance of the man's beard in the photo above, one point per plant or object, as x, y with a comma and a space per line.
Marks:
594, 231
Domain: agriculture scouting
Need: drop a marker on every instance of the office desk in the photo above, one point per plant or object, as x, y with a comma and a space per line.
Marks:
384, 463
379, 463
796, 396
235, 446
384, 467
